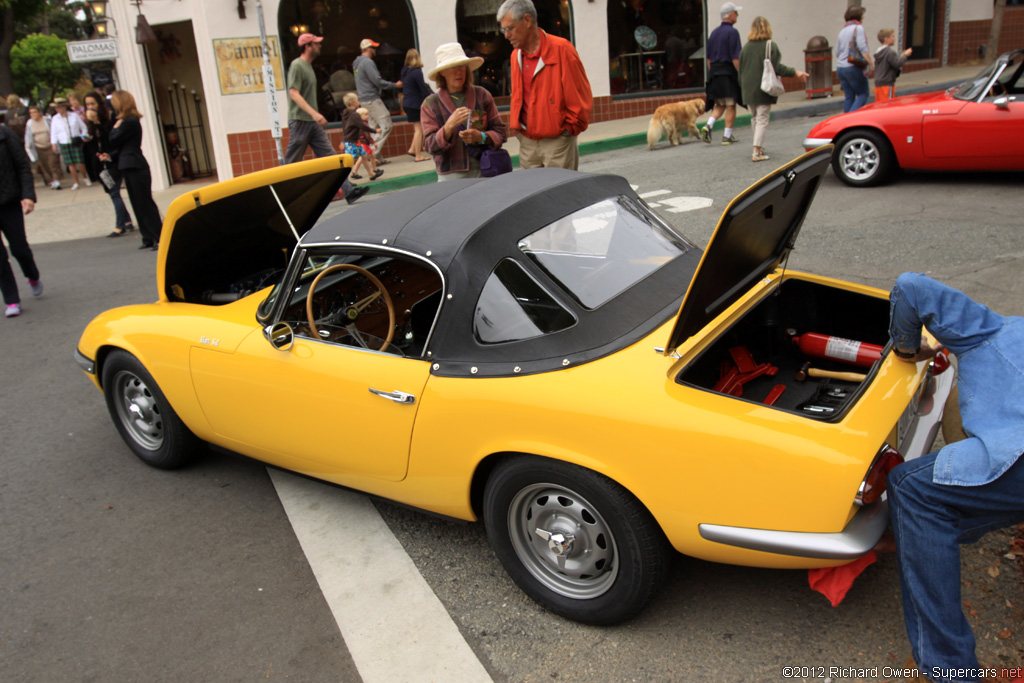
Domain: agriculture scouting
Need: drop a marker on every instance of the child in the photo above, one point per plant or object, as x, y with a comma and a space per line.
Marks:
354, 127
887, 65
366, 142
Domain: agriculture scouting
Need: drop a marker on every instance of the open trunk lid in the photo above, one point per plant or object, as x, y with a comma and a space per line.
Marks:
755, 234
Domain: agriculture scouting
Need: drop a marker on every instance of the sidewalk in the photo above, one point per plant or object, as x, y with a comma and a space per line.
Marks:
88, 212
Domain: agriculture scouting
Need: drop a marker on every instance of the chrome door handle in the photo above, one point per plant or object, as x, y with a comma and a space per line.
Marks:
396, 396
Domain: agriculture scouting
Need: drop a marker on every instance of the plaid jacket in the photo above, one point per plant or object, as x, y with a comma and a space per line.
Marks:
452, 155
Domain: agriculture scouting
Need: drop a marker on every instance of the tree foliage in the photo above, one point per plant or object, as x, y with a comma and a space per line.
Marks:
41, 67
54, 18
22, 17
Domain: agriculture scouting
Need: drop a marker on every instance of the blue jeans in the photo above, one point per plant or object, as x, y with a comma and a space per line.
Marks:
855, 87
929, 521
122, 219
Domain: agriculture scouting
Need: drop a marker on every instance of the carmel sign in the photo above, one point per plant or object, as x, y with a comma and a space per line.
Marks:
92, 50
240, 64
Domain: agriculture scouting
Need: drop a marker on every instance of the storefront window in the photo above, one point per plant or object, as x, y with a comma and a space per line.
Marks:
655, 45
480, 36
343, 26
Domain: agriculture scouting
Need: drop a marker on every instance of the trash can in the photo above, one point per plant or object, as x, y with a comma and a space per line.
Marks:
818, 57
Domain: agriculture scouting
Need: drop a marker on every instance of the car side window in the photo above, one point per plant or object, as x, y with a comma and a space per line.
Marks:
374, 301
514, 306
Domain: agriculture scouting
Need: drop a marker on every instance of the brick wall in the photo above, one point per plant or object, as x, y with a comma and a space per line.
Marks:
967, 37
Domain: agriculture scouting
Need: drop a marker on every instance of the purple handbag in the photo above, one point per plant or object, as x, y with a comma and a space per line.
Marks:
495, 162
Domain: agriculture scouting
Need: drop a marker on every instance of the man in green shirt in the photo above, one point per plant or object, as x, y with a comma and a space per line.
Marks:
305, 123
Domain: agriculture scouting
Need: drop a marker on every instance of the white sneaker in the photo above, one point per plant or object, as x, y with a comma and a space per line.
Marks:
88, 183
13, 310
74, 187
55, 185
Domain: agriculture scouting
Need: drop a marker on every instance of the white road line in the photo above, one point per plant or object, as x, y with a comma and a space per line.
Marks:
680, 204
654, 193
395, 628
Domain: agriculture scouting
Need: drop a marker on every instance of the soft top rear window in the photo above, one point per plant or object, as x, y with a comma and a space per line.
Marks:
604, 249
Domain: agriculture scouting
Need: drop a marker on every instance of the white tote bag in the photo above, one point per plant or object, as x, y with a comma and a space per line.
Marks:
770, 83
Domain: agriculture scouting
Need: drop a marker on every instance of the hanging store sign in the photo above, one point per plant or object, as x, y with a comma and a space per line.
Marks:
92, 50
240, 64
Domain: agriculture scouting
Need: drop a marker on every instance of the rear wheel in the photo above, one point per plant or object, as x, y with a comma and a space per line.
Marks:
142, 415
863, 158
573, 540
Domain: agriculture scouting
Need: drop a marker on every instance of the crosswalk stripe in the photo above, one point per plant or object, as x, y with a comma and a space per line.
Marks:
395, 627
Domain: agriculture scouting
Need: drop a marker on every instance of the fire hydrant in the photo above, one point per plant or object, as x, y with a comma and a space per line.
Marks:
818, 58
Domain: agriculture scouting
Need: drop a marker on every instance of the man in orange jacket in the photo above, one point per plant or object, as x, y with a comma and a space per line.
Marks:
551, 98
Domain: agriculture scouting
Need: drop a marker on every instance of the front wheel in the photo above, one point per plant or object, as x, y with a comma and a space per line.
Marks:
142, 415
863, 158
576, 542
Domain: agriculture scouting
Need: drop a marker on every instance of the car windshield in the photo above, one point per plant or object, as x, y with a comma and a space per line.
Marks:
309, 267
971, 89
599, 252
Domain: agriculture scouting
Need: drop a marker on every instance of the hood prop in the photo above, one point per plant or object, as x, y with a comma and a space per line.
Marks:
284, 213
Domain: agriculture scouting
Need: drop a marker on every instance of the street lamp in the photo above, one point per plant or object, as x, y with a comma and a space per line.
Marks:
98, 8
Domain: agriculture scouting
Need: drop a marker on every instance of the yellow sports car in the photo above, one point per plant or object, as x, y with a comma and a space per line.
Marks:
539, 350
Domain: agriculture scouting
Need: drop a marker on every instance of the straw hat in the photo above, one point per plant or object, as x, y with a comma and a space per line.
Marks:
451, 55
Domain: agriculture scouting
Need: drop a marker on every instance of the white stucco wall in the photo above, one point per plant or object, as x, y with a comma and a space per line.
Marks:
971, 10
794, 22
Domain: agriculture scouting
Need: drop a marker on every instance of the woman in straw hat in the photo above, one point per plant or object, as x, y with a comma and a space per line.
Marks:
461, 120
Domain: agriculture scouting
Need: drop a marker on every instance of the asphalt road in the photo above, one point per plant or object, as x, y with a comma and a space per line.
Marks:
112, 571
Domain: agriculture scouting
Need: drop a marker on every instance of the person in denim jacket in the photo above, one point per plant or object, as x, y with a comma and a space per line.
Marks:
967, 488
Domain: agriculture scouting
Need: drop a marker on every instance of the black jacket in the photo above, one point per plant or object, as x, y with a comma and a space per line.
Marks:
126, 144
15, 170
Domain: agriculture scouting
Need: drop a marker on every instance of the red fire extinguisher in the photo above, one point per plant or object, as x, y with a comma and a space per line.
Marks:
837, 348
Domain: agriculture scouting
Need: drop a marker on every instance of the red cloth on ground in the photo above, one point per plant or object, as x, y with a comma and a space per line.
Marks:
835, 582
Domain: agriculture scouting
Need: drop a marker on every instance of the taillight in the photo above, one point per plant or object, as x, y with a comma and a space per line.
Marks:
940, 362
873, 486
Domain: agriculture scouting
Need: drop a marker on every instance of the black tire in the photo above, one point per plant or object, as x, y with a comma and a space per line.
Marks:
863, 158
143, 416
616, 560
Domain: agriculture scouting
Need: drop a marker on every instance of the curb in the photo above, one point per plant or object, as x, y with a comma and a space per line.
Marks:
827, 106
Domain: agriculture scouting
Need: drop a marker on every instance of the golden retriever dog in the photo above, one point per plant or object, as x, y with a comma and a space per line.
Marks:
671, 119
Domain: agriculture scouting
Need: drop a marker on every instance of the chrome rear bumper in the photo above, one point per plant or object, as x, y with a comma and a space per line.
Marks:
859, 536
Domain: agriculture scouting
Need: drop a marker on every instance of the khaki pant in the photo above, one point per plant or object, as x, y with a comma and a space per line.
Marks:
49, 164
560, 152
760, 116
380, 117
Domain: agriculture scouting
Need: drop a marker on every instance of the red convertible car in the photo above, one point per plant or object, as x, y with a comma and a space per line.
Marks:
976, 126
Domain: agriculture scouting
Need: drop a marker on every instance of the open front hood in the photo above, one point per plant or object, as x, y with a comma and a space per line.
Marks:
756, 232
244, 225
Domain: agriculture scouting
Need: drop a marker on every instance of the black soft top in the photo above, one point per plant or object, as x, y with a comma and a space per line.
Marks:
468, 226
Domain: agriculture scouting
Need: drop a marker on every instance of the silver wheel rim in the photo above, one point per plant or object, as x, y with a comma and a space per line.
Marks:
563, 541
860, 159
138, 410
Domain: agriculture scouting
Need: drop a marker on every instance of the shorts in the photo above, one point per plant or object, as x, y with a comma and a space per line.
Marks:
71, 154
355, 149
412, 114
725, 102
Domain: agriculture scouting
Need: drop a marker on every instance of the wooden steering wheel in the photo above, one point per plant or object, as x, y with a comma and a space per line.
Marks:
352, 312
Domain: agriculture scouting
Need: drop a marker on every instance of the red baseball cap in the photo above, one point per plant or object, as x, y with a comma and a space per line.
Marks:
367, 43
306, 38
